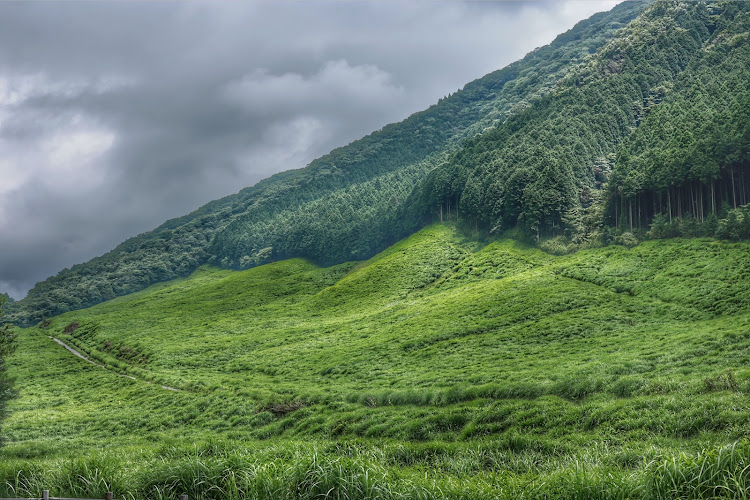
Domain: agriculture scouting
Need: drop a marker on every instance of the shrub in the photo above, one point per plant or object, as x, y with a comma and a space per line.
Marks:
626, 239
558, 245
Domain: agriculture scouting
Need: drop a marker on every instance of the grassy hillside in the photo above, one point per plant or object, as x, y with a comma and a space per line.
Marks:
440, 368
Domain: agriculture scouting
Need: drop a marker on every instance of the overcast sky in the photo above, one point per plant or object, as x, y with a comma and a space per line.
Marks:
116, 116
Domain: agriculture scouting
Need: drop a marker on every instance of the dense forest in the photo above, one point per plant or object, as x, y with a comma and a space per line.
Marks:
670, 91
689, 157
633, 124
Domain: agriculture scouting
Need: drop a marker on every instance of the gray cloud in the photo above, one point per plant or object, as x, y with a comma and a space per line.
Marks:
115, 116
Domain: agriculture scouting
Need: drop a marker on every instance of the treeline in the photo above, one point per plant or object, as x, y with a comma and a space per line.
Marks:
726, 224
690, 156
351, 223
135, 264
649, 139
540, 165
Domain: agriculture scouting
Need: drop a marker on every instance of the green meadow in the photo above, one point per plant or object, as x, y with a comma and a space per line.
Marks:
444, 367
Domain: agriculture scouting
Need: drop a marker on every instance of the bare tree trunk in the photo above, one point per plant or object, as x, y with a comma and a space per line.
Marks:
713, 198
742, 186
669, 203
693, 200
630, 210
617, 221
640, 208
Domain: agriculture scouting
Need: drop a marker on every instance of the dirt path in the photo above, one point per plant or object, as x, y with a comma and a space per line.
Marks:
76, 353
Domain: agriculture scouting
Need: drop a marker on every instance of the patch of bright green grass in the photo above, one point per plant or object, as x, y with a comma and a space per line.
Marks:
439, 368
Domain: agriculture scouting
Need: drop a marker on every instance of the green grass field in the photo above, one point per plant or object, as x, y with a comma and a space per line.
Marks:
441, 368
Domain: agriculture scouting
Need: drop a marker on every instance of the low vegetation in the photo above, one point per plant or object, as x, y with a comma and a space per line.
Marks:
444, 367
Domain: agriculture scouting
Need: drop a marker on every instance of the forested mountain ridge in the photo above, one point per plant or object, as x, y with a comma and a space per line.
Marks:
356, 200
354, 223
636, 121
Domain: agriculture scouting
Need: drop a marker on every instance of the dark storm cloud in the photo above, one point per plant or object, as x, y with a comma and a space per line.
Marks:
115, 116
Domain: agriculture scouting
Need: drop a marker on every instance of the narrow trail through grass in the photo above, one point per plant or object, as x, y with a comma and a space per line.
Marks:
78, 354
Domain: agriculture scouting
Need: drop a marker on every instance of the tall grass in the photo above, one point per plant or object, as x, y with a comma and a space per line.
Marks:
389, 471
498, 371
714, 473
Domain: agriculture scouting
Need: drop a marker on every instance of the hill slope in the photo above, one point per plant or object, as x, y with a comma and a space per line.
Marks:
355, 200
441, 365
